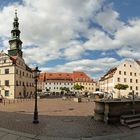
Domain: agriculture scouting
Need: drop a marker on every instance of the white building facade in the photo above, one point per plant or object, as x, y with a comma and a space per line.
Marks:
128, 73
54, 82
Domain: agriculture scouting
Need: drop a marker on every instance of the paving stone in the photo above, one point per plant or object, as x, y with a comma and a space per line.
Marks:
9, 137
2, 133
55, 138
3, 130
24, 138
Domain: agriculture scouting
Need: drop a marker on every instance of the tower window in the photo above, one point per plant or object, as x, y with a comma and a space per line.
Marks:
118, 79
6, 82
6, 92
6, 71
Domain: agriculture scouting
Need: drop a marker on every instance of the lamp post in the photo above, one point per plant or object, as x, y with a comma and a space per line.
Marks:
36, 73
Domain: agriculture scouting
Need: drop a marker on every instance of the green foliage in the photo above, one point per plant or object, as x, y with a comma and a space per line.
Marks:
65, 89
78, 87
121, 86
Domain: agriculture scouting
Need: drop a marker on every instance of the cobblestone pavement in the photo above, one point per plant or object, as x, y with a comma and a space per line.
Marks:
58, 118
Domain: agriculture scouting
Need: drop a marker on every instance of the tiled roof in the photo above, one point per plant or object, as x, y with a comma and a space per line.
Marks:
109, 74
59, 75
138, 62
76, 76
81, 77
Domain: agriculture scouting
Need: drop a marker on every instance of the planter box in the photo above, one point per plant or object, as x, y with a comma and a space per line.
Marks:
77, 99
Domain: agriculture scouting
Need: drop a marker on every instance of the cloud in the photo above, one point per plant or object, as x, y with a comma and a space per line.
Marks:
49, 26
101, 41
93, 67
59, 29
109, 19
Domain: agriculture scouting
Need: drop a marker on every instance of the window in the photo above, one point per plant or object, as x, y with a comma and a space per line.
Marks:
136, 88
124, 72
130, 73
6, 92
20, 73
23, 73
16, 71
6, 71
120, 72
130, 80
16, 83
118, 79
6, 82
125, 80
135, 74
124, 65
130, 87
130, 65
136, 80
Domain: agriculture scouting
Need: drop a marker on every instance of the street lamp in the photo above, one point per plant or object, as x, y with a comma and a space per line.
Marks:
36, 73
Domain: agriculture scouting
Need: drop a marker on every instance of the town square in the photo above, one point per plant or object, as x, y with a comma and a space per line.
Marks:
69, 70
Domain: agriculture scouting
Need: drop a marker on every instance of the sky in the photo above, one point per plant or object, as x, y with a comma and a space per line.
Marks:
74, 35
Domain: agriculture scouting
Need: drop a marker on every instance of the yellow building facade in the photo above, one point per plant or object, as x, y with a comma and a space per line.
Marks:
16, 78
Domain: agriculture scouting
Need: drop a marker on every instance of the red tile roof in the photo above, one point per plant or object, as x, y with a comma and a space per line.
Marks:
76, 76
138, 62
109, 74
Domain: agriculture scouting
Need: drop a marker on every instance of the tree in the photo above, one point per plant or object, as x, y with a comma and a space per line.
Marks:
121, 87
78, 87
65, 89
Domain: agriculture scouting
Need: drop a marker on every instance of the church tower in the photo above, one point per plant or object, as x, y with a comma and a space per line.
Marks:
15, 42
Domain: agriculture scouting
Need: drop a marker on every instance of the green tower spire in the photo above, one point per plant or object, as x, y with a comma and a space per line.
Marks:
15, 42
